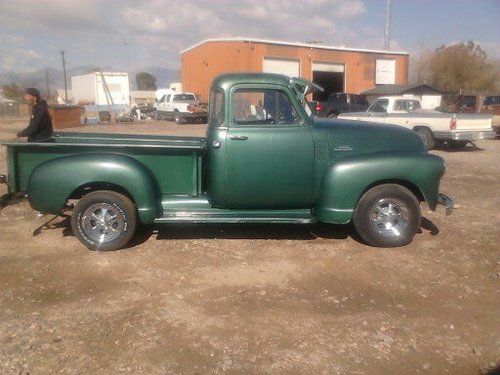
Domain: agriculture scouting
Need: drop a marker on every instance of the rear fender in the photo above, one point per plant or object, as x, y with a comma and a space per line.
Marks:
348, 179
52, 183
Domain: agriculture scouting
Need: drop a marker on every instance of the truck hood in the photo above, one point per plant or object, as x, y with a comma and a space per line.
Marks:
348, 136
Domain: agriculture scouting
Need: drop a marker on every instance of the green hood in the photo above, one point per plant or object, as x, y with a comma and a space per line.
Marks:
348, 136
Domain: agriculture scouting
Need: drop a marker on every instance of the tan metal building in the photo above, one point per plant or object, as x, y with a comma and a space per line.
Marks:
337, 69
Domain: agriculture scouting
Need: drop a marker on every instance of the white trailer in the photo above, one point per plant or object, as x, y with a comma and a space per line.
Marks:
90, 88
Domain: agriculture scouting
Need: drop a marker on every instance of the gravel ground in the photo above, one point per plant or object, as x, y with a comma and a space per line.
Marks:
271, 299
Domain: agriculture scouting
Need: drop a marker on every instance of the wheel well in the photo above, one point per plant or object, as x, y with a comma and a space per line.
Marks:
417, 127
413, 188
79, 192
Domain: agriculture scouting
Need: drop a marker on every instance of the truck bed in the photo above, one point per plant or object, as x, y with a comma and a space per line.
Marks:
175, 162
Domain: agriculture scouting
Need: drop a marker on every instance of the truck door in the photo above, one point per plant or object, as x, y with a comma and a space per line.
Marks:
269, 150
378, 110
162, 105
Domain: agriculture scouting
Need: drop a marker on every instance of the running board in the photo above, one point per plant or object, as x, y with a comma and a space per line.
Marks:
218, 216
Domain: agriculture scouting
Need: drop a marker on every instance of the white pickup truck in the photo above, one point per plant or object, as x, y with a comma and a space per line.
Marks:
181, 107
433, 126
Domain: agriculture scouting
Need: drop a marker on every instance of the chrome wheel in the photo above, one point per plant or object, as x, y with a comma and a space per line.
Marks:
389, 217
103, 222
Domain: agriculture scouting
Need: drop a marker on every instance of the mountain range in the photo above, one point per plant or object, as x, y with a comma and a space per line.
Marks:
38, 78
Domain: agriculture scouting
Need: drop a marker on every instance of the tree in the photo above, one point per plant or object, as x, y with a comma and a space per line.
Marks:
145, 81
13, 91
461, 66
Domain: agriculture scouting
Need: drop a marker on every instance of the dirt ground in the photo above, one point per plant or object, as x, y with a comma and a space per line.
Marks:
270, 299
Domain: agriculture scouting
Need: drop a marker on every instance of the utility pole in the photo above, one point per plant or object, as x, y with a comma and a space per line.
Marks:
65, 79
388, 11
47, 82
128, 55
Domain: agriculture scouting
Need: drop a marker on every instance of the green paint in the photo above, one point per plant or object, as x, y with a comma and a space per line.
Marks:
300, 172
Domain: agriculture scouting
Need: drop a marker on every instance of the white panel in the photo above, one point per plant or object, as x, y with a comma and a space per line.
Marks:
289, 68
431, 101
385, 72
328, 67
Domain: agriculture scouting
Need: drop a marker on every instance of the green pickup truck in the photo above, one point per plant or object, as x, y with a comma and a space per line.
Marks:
265, 159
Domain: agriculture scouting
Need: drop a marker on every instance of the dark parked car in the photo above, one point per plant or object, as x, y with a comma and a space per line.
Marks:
474, 103
340, 102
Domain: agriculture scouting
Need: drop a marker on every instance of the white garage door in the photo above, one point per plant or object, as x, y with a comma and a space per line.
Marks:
328, 67
385, 72
289, 68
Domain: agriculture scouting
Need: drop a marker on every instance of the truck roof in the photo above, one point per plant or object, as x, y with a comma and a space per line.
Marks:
230, 79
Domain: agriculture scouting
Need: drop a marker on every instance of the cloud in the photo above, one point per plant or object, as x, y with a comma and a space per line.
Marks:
28, 54
156, 30
151, 33
19, 59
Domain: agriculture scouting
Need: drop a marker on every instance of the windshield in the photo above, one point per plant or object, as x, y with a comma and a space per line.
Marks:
379, 106
307, 107
184, 98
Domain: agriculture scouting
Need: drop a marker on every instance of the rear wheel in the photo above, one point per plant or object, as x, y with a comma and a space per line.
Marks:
177, 117
104, 220
427, 137
387, 216
457, 145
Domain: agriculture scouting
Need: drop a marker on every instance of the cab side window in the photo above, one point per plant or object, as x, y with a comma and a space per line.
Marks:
263, 107
406, 105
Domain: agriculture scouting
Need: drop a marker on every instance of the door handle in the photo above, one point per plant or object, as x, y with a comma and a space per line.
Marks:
239, 137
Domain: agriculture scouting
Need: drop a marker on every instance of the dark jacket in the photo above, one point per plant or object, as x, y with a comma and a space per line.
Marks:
40, 126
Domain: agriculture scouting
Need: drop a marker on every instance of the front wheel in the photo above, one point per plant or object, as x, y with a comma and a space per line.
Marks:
177, 118
104, 220
387, 216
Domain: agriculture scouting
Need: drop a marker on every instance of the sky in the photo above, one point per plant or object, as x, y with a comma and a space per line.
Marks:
131, 35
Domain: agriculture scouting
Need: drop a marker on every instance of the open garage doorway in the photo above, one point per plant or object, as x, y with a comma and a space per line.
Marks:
330, 76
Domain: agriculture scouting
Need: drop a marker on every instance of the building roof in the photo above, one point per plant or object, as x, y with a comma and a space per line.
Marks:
414, 88
105, 73
292, 44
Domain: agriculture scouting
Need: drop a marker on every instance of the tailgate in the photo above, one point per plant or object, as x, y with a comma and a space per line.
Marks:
473, 122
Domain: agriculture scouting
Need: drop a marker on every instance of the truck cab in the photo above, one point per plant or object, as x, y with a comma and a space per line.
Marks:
265, 159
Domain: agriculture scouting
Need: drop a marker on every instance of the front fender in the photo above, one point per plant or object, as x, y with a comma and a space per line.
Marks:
348, 178
51, 183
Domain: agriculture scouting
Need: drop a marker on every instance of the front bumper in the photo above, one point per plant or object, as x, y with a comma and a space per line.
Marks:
465, 136
194, 115
446, 201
